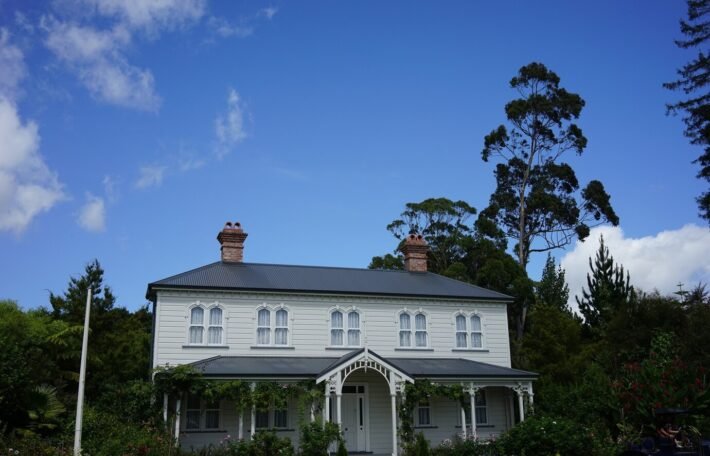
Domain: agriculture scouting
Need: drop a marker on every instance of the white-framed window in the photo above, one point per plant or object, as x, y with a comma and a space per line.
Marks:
468, 331
405, 330
423, 413
263, 327
420, 333
201, 414
272, 321
413, 330
481, 407
197, 328
461, 333
345, 328
476, 332
273, 418
205, 325
215, 330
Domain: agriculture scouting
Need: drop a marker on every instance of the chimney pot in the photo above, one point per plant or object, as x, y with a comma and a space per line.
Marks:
415, 251
231, 240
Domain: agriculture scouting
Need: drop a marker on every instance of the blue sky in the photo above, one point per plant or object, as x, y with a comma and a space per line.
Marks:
134, 130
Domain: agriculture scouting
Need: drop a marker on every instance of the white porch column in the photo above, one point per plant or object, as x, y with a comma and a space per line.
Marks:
165, 409
521, 405
326, 409
463, 422
313, 415
338, 412
177, 419
241, 423
393, 400
252, 431
472, 394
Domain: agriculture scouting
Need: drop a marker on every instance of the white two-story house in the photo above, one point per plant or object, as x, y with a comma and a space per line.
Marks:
363, 334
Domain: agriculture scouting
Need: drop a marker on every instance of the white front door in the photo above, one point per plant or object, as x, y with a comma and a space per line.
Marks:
354, 414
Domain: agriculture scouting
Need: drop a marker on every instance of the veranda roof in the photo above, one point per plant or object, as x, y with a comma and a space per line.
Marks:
312, 367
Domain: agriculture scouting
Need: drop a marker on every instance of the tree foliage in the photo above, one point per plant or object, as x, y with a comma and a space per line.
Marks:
608, 289
693, 80
552, 288
537, 201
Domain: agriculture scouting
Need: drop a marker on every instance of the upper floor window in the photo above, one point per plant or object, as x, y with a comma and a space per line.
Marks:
213, 325
272, 321
345, 328
469, 331
417, 333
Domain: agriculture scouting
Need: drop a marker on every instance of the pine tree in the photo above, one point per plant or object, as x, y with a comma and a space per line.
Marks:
608, 288
552, 289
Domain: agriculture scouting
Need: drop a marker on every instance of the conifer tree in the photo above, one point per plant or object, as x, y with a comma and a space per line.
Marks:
552, 289
608, 288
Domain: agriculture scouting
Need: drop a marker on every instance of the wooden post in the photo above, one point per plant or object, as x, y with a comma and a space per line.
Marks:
338, 413
82, 378
472, 393
463, 422
241, 423
521, 405
165, 409
393, 401
177, 419
326, 410
253, 415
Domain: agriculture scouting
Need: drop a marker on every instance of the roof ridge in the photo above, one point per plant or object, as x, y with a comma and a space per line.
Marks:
204, 266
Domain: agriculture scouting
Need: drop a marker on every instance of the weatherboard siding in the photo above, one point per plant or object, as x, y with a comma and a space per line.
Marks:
309, 326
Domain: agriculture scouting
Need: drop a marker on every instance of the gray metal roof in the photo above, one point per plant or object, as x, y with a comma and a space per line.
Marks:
304, 367
320, 279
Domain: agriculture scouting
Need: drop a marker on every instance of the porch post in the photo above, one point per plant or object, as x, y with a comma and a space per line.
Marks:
393, 400
472, 394
463, 422
241, 423
326, 410
313, 415
165, 409
252, 431
338, 400
177, 420
521, 405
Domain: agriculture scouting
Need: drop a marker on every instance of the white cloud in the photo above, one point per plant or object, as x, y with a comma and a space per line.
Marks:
229, 128
96, 56
92, 216
657, 262
27, 186
224, 29
12, 66
151, 14
268, 12
150, 176
110, 188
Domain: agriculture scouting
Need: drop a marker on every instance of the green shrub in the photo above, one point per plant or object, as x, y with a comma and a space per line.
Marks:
316, 438
467, 447
541, 435
342, 451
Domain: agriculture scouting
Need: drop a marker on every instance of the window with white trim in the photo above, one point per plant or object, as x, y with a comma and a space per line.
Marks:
273, 418
345, 328
476, 332
405, 330
420, 333
197, 319
423, 413
263, 327
272, 321
414, 335
481, 407
201, 414
215, 330
206, 325
461, 333
469, 331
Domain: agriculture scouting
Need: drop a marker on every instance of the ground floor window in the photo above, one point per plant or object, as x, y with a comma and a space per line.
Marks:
481, 410
273, 418
423, 413
201, 414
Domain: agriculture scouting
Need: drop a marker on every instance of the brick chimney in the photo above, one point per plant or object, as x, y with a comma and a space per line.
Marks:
415, 251
231, 239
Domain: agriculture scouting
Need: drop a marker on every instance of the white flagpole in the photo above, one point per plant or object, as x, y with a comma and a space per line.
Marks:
82, 379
